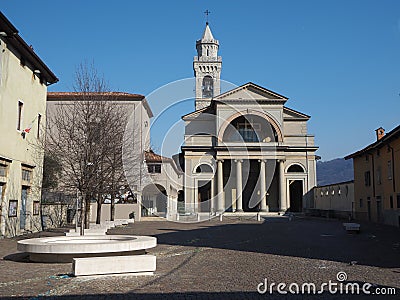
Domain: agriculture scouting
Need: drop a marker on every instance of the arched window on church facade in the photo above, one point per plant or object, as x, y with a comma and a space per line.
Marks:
208, 87
250, 128
204, 168
295, 168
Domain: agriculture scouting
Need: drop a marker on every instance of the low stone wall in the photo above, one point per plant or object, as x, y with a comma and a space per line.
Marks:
337, 214
57, 215
331, 201
122, 211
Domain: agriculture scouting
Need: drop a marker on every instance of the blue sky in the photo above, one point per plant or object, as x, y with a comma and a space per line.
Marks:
338, 61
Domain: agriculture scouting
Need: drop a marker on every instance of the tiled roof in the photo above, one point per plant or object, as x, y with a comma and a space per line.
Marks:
117, 95
153, 157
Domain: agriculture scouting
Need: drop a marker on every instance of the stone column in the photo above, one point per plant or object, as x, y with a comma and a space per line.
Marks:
282, 186
220, 190
212, 200
239, 185
263, 188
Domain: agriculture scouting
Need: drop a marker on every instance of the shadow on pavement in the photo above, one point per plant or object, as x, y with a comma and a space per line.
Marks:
376, 245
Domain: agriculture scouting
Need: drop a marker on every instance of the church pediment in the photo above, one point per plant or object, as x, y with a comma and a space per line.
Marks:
251, 92
291, 114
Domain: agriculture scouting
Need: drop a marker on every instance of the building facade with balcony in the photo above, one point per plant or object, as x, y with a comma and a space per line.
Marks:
244, 150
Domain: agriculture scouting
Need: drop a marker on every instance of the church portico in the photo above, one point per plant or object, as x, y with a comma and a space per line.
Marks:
254, 190
264, 185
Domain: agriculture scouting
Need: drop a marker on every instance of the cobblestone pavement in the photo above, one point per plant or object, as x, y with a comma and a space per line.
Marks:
222, 260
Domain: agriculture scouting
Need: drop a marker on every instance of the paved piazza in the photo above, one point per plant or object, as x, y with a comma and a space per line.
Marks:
222, 260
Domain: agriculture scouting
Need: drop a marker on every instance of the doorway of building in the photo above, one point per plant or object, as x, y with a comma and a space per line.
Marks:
181, 202
378, 209
369, 210
250, 195
296, 195
204, 195
22, 218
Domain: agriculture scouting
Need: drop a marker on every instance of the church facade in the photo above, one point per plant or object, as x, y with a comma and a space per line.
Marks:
244, 149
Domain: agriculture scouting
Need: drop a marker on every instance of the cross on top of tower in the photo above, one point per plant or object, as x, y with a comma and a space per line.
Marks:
207, 12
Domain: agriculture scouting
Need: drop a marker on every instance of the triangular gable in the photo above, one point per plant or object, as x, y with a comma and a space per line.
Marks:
291, 114
251, 92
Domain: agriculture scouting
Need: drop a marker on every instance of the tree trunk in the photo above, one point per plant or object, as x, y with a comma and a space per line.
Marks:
83, 214
99, 203
112, 207
87, 211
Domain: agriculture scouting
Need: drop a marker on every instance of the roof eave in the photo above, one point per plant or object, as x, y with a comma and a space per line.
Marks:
27, 52
390, 135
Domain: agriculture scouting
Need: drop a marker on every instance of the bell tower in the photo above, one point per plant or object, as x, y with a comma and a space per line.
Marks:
207, 69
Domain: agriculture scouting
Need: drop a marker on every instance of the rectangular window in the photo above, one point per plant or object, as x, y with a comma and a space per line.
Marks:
398, 201
20, 107
39, 120
26, 175
3, 170
390, 169
12, 208
154, 168
379, 175
249, 131
391, 201
361, 202
367, 178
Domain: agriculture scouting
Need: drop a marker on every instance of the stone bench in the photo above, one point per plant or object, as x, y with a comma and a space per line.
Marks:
352, 227
139, 264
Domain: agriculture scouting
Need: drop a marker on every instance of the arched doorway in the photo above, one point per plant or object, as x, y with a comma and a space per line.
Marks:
154, 200
296, 195
296, 188
181, 201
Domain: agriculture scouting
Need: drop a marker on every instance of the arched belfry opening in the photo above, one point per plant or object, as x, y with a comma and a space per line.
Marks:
208, 87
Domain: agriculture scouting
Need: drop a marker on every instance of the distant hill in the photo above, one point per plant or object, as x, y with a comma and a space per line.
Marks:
334, 171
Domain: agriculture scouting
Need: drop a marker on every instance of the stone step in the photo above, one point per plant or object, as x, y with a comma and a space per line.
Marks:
139, 264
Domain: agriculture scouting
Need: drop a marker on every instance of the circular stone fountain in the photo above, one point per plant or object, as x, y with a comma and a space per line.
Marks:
66, 248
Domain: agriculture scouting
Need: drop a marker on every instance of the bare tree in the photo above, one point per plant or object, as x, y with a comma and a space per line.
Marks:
86, 136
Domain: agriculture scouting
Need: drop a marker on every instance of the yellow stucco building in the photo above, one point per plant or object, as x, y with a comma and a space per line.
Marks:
377, 179
23, 88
